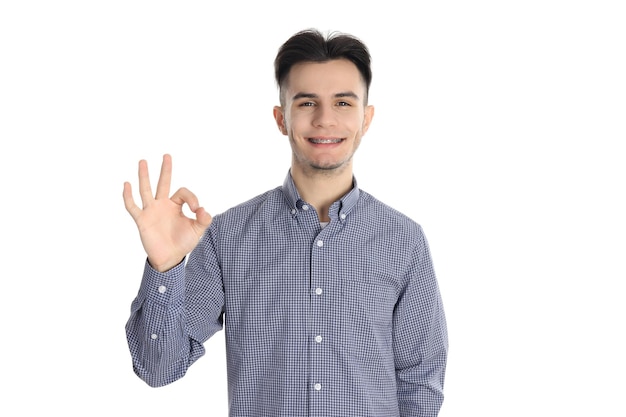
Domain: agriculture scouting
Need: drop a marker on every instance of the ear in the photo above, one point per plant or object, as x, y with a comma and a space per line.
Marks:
279, 116
367, 119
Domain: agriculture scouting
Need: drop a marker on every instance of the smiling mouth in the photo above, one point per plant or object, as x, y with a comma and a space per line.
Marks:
324, 141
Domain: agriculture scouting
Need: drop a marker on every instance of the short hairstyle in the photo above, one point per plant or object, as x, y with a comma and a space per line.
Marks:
310, 45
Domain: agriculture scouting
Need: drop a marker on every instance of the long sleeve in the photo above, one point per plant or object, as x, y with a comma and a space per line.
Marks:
163, 335
420, 339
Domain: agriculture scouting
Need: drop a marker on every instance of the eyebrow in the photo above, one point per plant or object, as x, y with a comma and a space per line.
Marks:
338, 95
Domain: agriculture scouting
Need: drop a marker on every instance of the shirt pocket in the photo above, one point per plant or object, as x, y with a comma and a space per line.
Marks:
368, 303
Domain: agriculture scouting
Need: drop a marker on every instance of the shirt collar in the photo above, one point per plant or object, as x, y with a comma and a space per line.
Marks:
343, 207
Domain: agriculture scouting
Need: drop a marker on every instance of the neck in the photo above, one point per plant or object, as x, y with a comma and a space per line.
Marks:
322, 188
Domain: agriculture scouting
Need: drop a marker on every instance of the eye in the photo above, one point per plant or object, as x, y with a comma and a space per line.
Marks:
307, 104
343, 104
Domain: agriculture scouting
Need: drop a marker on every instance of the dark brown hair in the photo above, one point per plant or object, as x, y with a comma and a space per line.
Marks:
310, 45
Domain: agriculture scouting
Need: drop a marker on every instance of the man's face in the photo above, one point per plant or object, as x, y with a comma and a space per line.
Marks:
324, 115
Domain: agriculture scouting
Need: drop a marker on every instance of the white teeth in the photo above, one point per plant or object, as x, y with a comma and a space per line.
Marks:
325, 140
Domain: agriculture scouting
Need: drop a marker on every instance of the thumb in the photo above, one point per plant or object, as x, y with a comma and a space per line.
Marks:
203, 218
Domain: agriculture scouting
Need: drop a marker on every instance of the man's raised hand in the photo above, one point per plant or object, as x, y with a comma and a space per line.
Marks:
167, 234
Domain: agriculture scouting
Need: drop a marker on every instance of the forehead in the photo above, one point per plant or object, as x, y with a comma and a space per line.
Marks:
338, 75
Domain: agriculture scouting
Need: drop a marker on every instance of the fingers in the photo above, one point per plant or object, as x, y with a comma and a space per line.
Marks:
145, 190
165, 178
203, 219
180, 197
163, 186
184, 196
129, 202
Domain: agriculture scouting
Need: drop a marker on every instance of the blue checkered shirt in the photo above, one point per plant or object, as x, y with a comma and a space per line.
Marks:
336, 321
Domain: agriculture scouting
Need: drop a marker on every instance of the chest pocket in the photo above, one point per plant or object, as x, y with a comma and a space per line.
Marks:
368, 303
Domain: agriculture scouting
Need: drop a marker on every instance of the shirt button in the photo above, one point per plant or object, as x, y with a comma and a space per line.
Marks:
153, 336
305, 207
318, 291
343, 216
318, 339
320, 243
293, 211
162, 289
317, 386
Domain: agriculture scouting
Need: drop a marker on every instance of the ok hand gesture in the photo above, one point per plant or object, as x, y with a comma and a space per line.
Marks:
167, 234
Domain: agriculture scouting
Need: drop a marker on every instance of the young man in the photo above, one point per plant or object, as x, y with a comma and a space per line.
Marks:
328, 297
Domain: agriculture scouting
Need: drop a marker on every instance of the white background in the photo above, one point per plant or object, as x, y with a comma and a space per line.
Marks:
499, 127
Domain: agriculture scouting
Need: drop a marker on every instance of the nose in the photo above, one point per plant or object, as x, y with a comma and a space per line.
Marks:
325, 116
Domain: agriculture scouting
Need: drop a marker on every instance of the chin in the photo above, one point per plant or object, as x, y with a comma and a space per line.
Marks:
329, 166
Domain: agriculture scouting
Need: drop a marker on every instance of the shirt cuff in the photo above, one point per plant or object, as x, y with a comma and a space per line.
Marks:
164, 288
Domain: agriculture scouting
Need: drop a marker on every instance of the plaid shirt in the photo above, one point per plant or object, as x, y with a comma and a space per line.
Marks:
336, 321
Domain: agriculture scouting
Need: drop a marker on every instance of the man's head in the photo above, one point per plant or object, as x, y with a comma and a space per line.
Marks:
324, 84
312, 46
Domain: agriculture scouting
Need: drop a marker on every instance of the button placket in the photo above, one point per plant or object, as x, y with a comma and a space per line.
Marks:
316, 338
319, 292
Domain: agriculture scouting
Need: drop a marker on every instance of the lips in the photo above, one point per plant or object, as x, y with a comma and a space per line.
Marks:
325, 141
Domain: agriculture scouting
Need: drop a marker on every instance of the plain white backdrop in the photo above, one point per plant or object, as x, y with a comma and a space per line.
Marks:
500, 127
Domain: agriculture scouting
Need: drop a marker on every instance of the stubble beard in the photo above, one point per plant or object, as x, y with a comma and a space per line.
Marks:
328, 169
